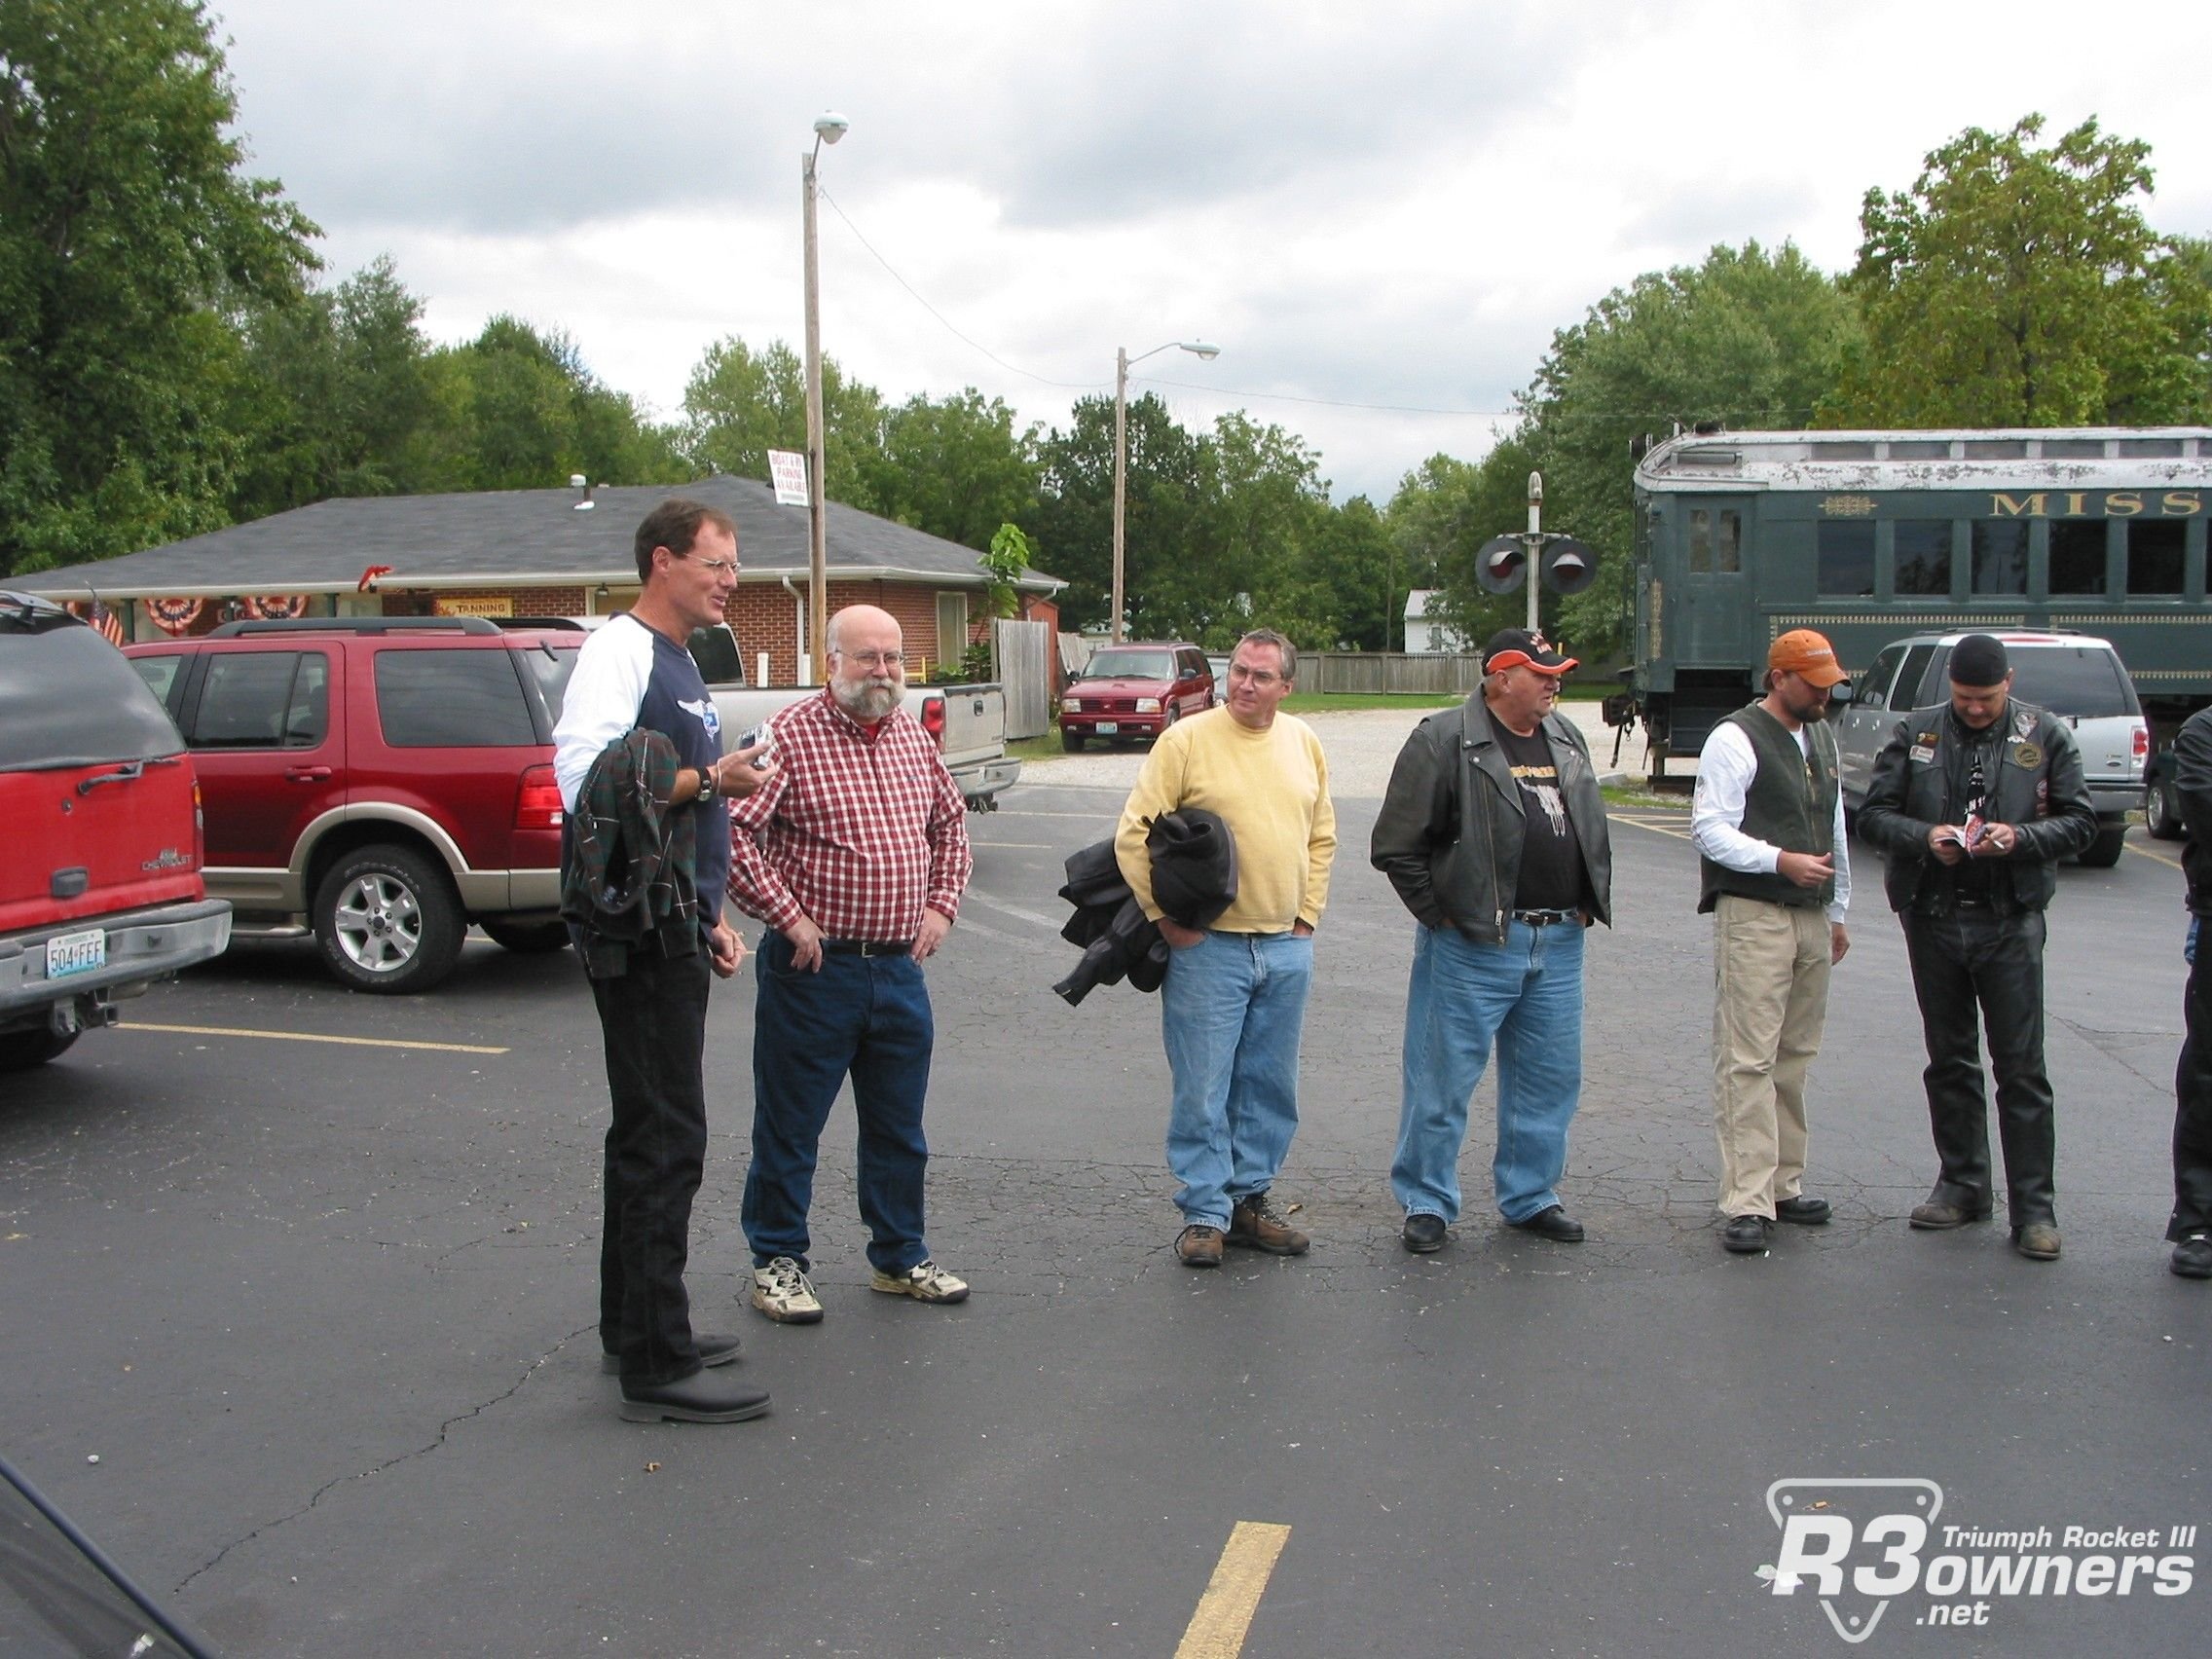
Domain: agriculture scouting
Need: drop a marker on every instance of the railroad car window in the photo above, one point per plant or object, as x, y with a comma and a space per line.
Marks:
247, 700
1920, 449
1845, 560
2083, 682
2073, 448
2000, 557
1997, 448
1923, 556
2077, 557
2151, 449
1843, 451
1715, 542
1904, 695
451, 700
2154, 556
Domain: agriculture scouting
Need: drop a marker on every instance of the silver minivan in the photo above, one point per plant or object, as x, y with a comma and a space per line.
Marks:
2076, 676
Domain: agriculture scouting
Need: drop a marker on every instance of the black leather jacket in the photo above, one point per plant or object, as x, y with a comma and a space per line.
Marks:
2192, 780
1920, 781
1449, 834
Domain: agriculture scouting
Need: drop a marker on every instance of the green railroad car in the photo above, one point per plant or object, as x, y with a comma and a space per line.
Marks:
1870, 536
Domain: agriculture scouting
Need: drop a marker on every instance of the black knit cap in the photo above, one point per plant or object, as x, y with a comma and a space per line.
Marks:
1979, 661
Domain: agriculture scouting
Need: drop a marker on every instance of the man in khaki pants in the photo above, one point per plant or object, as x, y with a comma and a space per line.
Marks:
1776, 878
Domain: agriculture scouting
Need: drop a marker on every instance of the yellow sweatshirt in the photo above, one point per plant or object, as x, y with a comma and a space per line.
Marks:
1271, 787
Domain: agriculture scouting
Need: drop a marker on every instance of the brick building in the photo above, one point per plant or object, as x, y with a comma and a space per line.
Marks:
542, 553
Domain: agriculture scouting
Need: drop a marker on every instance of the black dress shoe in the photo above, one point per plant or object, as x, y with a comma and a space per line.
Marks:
1802, 1211
1745, 1235
700, 1397
1554, 1224
713, 1352
2192, 1256
1423, 1233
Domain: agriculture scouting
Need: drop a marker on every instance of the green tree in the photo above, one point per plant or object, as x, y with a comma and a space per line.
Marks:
1747, 339
130, 236
2014, 285
1075, 506
955, 467
1350, 571
739, 404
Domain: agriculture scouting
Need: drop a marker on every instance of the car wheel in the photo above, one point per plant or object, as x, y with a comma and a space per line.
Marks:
2162, 812
2104, 851
1071, 741
528, 937
388, 921
19, 1050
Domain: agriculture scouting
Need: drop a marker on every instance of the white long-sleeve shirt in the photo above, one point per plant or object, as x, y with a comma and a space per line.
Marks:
1724, 773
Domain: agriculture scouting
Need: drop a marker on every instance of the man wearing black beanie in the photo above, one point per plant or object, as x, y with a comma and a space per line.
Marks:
1974, 803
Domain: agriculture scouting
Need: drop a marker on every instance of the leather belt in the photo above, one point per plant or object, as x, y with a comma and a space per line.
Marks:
1545, 918
868, 947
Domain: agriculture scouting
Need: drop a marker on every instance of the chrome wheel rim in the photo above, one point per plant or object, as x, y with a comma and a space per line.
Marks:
378, 923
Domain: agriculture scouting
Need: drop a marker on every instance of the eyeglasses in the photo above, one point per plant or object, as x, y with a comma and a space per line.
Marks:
721, 566
874, 659
1259, 677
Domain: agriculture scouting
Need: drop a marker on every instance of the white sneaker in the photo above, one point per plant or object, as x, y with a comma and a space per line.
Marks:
927, 1282
783, 1291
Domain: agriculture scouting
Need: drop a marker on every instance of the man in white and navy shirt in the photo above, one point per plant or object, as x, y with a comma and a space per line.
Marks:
1776, 878
635, 674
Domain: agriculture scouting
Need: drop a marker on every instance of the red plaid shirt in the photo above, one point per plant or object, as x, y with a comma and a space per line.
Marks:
859, 829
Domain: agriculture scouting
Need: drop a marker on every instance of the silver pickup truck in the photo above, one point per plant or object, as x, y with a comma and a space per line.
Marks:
968, 721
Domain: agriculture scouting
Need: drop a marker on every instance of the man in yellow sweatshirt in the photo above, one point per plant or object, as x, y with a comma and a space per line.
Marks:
1234, 1003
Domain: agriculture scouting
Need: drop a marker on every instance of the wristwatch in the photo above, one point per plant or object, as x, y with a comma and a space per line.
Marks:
709, 785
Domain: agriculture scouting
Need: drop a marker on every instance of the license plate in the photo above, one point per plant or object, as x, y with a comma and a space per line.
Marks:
76, 953
1107, 728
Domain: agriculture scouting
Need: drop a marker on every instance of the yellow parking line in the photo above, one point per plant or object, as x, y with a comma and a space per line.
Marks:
1216, 1630
2144, 851
1655, 829
310, 1036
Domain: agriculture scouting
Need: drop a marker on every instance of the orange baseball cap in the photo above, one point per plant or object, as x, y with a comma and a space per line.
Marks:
1808, 655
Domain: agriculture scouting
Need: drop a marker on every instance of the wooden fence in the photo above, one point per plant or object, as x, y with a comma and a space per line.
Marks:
1430, 672
1021, 655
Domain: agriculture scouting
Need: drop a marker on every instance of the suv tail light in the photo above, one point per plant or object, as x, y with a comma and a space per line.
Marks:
199, 829
538, 802
933, 719
2142, 742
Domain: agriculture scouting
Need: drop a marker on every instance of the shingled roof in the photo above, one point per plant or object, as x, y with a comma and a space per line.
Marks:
507, 538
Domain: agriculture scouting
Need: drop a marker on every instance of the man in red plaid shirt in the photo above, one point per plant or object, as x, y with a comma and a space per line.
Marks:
856, 854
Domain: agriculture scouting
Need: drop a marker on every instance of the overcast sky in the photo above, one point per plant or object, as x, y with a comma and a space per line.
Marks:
1390, 204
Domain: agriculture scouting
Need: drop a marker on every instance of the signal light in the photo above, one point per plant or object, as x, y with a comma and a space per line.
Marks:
1502, 565
1568, 565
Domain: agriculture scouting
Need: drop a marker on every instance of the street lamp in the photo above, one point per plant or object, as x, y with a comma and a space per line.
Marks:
1122, 362
828, 130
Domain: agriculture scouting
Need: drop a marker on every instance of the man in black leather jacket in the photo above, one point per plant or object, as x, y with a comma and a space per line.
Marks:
2191, 1229
1493, 833
1974, 802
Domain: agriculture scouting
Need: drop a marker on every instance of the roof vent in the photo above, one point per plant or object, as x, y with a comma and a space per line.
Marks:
578, 481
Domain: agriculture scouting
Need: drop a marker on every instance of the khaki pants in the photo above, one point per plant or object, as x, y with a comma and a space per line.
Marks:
1770, 975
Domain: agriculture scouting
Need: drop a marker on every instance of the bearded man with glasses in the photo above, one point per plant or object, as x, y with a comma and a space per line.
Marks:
855, 853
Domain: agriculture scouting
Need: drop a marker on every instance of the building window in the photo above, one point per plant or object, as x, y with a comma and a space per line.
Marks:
1844, 563
1999, 558
2077, 557
2155, 557
1923, 556
952, 628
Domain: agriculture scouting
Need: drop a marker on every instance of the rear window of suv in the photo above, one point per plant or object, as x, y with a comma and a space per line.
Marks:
68, 698
2084, 681
449, 699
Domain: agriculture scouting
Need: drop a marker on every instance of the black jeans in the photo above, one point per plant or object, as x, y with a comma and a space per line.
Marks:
654, 1023
2193, 1101
1980, 959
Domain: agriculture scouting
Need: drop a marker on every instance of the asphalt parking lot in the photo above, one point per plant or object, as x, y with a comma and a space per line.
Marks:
323, 1311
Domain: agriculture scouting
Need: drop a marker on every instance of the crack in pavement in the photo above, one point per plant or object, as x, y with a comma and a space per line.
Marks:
325, 1491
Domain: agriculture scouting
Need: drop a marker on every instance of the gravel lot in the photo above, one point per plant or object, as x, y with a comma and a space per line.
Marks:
1361, 747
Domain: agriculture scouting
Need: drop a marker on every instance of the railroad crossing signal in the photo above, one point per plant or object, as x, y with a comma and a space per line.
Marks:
1563, 564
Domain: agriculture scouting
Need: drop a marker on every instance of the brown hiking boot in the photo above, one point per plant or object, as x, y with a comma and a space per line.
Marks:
1257, 1225
1198, 1245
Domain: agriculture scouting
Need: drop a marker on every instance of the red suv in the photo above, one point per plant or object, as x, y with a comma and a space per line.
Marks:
1135, 690
379, 781
100, 892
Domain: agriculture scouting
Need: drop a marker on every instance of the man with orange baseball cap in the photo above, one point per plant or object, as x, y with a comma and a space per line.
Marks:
1775, 871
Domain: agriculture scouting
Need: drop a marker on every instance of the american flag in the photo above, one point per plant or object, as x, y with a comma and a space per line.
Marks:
107, 622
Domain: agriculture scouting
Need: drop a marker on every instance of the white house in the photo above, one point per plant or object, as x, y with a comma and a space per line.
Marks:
1422, 632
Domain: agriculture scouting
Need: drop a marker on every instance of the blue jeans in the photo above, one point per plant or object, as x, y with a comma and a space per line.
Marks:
867, 1016
1231, 1013
1527, 996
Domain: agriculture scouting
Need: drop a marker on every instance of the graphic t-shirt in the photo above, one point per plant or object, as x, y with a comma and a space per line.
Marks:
1551, 858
